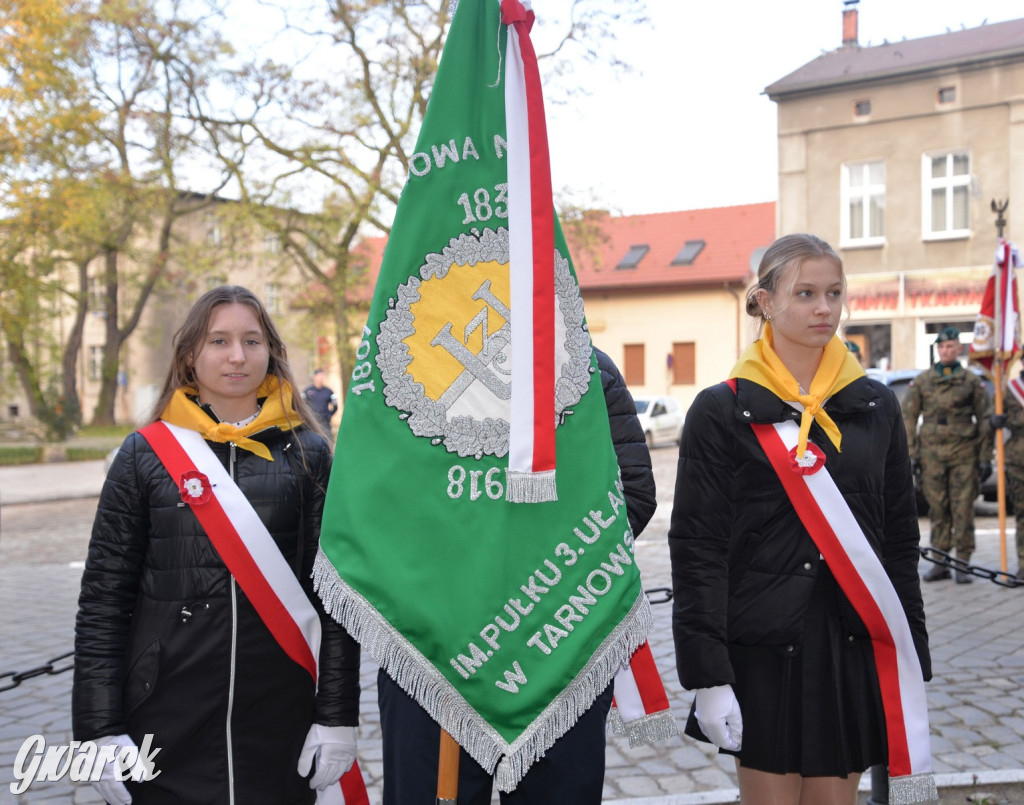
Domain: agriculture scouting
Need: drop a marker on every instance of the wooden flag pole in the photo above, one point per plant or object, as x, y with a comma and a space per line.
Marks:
448, 770
997, 365
1000, 465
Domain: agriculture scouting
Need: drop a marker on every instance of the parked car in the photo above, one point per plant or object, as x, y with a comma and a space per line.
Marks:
661, 417
899, 381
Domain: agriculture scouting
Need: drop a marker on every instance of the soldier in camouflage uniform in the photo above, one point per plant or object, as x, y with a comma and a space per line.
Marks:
954, 442
1013, 458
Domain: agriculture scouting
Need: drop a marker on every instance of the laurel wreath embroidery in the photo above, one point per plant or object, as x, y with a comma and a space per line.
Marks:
195, 487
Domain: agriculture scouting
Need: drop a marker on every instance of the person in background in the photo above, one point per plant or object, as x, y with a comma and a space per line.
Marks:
766, 614
952, 450
572, 770
855, 351
170, 642
321, 399
1012, 424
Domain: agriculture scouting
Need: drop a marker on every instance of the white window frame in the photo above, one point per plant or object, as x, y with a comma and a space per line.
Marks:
95, 356
851, 196
97, 296
214, 232
272, 298
949, 183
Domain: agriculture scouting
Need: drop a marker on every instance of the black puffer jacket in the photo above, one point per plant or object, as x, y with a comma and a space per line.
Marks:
167, 643
631, 451
743, 566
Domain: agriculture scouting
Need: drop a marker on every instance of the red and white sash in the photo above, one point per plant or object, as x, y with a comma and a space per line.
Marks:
838, 536
641, 709
252, 557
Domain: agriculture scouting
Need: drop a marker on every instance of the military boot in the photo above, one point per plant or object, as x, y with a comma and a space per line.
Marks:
937, 573
960, 576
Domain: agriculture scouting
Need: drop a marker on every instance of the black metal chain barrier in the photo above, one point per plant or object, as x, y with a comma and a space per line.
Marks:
655, 595
664, 592
959, 565
17, 677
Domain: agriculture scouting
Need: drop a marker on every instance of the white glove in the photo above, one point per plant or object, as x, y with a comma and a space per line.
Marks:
718, 714
335, 751
109, 786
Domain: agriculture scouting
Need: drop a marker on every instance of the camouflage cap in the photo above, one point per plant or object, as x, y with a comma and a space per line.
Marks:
947, 334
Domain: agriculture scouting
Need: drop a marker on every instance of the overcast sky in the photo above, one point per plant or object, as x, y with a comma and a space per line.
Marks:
692, 128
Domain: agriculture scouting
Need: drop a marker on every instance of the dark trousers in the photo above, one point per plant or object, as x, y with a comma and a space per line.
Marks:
570, 773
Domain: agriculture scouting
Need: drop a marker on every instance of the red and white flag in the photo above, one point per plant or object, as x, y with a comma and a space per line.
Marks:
531, 218
640, 709
997, 332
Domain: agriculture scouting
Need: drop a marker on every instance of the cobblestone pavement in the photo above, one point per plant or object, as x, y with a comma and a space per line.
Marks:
976, 698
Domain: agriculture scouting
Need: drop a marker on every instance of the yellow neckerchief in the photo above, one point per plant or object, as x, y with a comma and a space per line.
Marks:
760, 364
276, 411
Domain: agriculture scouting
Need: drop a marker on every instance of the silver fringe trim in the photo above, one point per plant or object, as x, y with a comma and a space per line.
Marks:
912, 788
647, 729
421, 680
530, 487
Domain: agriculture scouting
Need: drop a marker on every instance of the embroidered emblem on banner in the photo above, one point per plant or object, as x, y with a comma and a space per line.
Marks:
445, 346
195, 487
812, 460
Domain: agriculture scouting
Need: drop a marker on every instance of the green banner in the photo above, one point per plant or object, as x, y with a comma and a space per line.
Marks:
503, 620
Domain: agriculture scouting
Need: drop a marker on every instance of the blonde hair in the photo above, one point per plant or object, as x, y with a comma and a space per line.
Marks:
778, 269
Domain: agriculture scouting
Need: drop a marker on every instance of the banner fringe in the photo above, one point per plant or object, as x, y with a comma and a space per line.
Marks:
530, 487
647, 729
421, 680
909, 789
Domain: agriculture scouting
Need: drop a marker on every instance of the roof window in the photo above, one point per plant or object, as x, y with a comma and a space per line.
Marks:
688, 253
634, 256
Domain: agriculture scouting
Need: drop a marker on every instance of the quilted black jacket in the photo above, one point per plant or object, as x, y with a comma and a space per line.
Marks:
167, 643
743, 565
631, 451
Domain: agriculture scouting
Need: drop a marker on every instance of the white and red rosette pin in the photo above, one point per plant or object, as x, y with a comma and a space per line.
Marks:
195, 487
812, 460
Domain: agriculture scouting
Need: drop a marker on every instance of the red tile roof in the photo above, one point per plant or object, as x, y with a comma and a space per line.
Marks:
731, 235
368, 255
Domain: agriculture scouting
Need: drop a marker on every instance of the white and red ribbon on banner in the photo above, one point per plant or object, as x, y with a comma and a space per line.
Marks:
248, 550
859, 572
1016, 388
641, 709
997, 331
531, 224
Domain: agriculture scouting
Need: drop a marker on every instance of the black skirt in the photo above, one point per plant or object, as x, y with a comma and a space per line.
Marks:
813, 709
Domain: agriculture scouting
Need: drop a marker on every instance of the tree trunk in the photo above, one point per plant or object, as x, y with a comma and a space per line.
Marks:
341, 345
103, 414
26, 372
73, 348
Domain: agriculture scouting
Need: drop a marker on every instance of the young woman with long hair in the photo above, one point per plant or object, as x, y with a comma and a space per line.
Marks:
177, 641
